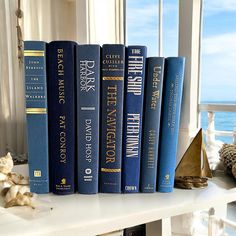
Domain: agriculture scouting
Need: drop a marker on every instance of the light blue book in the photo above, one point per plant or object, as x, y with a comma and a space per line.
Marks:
171, 107
36, 115
151, 125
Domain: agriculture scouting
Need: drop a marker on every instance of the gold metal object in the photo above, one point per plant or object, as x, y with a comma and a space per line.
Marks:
193, 169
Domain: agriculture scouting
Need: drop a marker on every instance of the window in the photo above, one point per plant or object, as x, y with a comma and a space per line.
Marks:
218, 84
145, 31
142, 24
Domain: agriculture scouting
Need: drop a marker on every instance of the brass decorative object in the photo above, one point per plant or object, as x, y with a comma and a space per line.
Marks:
193, 170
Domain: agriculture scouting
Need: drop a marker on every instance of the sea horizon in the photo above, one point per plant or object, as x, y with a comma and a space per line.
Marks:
224, 121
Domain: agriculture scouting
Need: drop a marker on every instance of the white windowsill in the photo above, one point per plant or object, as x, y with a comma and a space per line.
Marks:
95, 214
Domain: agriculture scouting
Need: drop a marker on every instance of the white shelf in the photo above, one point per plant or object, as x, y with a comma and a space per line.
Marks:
95, 214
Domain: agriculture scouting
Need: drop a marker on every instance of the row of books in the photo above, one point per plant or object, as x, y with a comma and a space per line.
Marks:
138, 230
101, 118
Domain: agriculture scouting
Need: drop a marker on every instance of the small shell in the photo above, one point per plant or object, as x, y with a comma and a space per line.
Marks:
12, 192
24, 189
18, 179
6, 164
14, 187
21, 200
4, 184
3, 177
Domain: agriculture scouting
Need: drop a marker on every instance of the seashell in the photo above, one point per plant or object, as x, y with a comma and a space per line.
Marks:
228, 155
12, 192
234, 170
14, 187
17, 195
6, 164
24, 189
3, 177
21, 200
228, 158
18, 179
4, 185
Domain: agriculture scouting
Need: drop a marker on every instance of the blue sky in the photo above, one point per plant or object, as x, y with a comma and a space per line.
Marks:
218, 63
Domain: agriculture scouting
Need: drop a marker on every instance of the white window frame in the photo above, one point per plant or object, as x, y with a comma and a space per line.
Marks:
190, 24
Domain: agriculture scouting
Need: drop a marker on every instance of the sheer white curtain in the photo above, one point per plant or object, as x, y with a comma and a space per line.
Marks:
12, 117
42, 20
49, 20
106, 21
84, 21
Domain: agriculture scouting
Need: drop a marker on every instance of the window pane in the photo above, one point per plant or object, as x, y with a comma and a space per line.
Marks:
170, 27
219, 51
142, 24
218, 70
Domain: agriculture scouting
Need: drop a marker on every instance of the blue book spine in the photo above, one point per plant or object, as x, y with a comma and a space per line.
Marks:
152, 114
88, 95
133, 112
36, 114
171, 107
113, 63
61, 106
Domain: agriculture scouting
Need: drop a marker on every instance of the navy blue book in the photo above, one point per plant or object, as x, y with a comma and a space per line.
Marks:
88, 95
61, 106
151, 125
138, 230
112, 98
133, 112
36, 115
171, 107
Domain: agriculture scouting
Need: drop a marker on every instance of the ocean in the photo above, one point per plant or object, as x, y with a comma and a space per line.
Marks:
224, 121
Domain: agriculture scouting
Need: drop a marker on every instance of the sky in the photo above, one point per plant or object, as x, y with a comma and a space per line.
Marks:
218, 49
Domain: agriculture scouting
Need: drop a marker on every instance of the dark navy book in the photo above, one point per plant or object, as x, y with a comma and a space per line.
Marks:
138, 230
61, 106
112, 98
151, 125
171, 107
88, 95
133, 112
36, 115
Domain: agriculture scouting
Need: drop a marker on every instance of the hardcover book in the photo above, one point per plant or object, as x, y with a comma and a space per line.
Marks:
36, 115
113, 233
88, 95
62, 128
133, 112
138, 230
112, 90
151, 126
171, 107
